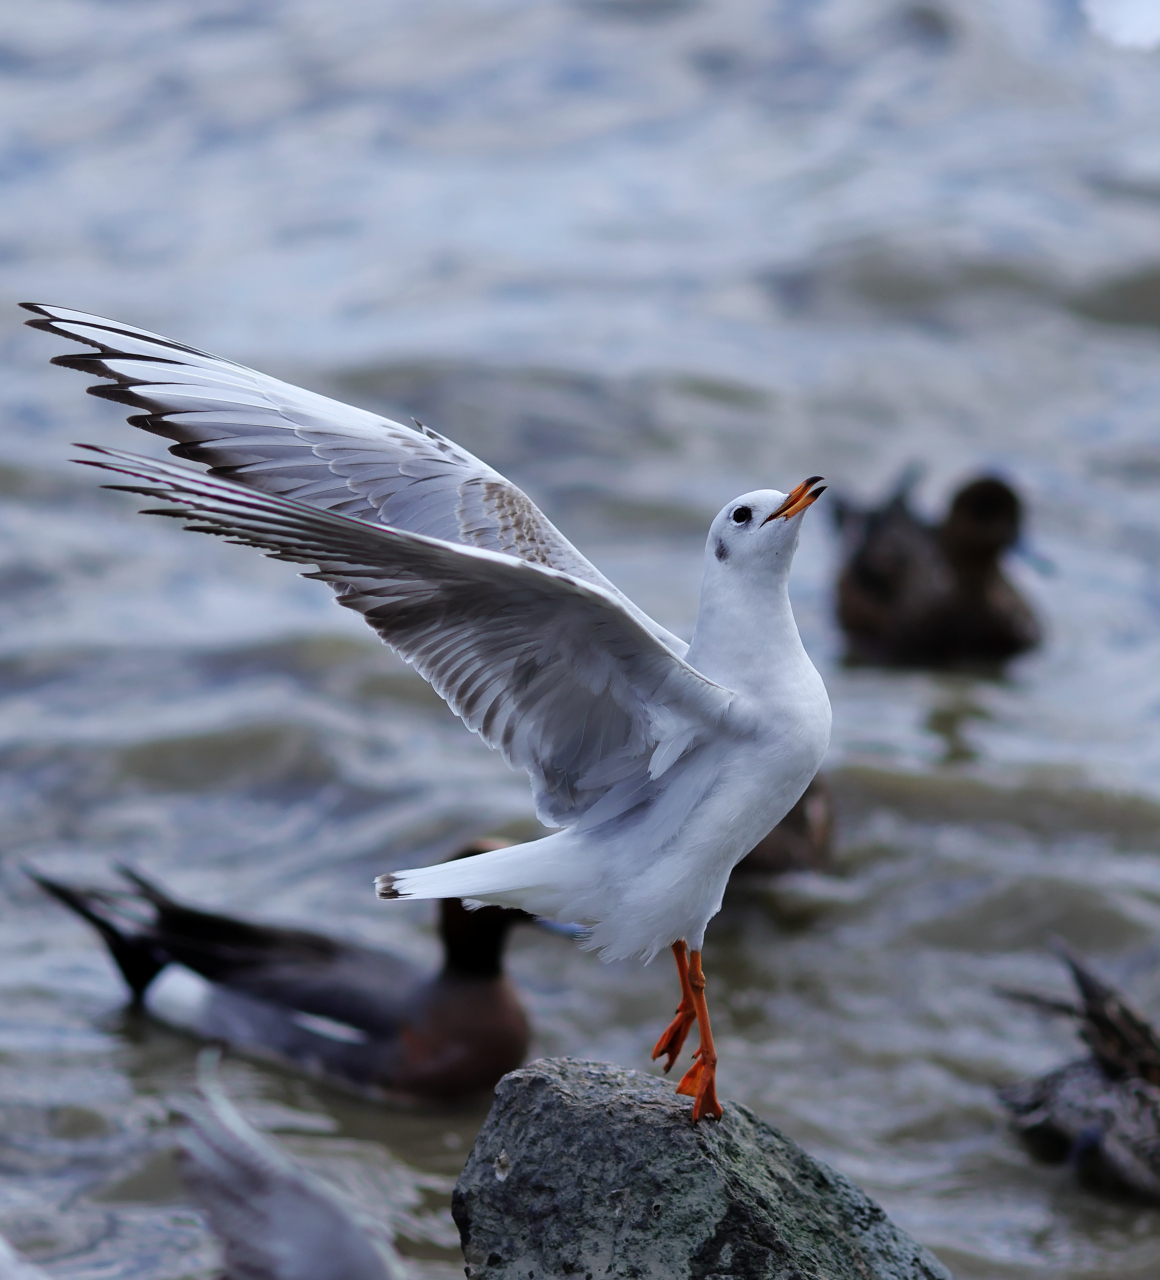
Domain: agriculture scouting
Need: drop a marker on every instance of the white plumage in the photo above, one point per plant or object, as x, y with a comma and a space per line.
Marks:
663, 764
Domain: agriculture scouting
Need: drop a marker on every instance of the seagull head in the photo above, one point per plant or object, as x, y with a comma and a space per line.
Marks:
760, 529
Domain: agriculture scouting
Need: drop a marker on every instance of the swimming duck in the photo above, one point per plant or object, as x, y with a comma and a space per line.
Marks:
913, 594
1102, 1112
358, 1015
801, 841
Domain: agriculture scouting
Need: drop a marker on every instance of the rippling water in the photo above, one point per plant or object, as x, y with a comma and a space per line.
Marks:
641, 255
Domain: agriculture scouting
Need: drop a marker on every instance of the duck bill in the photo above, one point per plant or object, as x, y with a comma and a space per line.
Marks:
799, 498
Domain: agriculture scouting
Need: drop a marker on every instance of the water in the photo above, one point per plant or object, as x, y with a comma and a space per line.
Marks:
642, 256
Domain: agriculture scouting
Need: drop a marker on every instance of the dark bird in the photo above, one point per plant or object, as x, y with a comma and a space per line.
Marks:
1101, 1111
913, 594
357, 1015
801, 841
275, 1219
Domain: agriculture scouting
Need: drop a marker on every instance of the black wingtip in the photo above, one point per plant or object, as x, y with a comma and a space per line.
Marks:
136, 957
62, 892
145, 887
385, 887
1090, 986
49, 886
1046, 1004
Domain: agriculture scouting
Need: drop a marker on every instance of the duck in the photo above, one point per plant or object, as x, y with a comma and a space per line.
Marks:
915, 594
1100, 1112
357, 1016
802, 841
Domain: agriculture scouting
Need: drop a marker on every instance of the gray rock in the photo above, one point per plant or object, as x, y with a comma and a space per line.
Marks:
587, 1170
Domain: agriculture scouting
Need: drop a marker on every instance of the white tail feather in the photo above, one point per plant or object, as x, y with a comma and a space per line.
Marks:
518, 876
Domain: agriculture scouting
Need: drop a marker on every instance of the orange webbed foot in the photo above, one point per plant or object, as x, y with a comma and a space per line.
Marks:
672, 1039
700, 1084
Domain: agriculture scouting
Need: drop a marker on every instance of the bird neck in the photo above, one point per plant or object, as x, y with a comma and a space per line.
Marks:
473, 941
974, 567
746, 640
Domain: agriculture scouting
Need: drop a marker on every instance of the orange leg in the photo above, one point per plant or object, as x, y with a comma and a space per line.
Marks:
673, 1039
700, 1081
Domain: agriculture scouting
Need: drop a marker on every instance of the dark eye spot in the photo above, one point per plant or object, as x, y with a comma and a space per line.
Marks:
742, 515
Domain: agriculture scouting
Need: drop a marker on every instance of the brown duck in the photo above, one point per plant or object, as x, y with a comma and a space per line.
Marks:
913, 594
1100, 1112
357, 1015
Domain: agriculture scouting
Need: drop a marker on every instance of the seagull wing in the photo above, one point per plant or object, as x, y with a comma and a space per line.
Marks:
278, 438
550, 670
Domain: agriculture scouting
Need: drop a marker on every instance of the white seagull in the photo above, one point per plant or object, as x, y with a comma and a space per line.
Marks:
662, 764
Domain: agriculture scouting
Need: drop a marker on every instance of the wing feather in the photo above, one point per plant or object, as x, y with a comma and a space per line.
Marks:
550, 670
283, 440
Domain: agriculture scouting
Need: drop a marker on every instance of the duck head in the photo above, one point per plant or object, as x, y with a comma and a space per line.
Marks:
474, 941
983, 521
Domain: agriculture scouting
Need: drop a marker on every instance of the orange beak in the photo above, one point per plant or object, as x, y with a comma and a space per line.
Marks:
798, 500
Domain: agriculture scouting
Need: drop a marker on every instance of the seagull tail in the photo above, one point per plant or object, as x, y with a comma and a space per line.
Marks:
527, 876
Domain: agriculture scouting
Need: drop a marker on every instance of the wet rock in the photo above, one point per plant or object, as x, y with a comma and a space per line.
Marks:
589, 1170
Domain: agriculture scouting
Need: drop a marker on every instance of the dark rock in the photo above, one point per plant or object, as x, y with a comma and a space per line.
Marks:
589, 1170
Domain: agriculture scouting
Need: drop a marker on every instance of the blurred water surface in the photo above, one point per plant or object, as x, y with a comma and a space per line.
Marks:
641, 255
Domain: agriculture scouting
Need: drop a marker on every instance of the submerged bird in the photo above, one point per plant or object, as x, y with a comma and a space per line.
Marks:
1102, 1111
13, 1266
662, 763
913, 594
275, 1219
354, 1014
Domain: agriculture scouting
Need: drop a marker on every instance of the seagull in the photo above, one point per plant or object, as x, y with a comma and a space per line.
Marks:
660, 764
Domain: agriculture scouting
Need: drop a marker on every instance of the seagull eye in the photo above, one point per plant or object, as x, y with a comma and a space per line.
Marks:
742, 515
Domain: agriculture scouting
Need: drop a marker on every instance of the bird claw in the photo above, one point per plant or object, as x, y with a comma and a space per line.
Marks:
700, 1084
672, 1039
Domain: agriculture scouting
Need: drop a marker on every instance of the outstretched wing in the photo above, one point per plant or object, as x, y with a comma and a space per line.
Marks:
280, 439
551, 671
